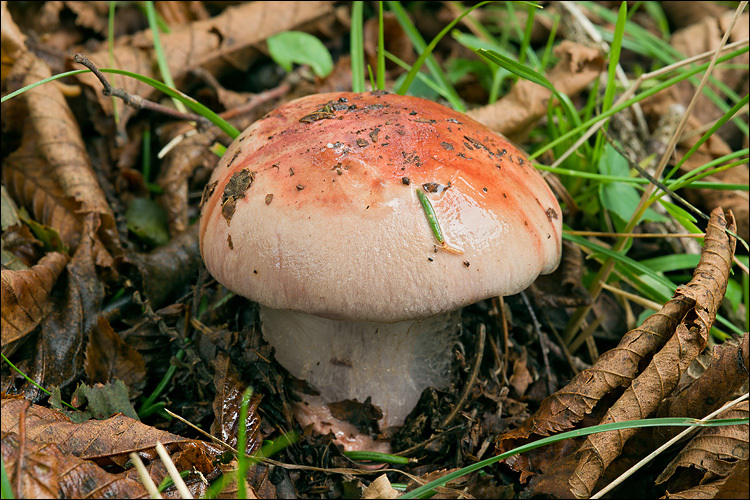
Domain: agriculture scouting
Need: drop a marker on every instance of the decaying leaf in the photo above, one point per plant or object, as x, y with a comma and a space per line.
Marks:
727, 372
714, 450
25, 298
108, 358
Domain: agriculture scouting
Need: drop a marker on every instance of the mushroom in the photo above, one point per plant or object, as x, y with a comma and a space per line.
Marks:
362, 223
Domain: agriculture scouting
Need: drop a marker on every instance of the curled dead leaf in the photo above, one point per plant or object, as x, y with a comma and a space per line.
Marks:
656, 382
25, 298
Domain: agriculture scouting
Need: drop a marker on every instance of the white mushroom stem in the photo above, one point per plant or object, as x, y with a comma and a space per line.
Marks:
392, 363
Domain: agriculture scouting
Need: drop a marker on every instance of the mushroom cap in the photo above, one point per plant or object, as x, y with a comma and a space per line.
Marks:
314, 208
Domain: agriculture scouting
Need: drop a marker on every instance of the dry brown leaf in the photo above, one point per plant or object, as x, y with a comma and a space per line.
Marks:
108, 358
618, 367
657, 381
697, 38
200, 43
519, 111
714, 450
104, 442
683, 14
395, 41
380, 488
736, 484
615, 368
705, 36
27, 178
59, 142
47, 472
727, 372
25, 298
12, 42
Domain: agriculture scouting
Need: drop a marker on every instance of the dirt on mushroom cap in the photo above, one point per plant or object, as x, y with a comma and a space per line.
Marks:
334, 166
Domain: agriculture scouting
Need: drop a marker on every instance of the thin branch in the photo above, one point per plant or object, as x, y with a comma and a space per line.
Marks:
135, 101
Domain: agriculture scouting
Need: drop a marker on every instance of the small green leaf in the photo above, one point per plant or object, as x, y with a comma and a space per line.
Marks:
620, 198
101, 402
148, 221
49, 236
301, 48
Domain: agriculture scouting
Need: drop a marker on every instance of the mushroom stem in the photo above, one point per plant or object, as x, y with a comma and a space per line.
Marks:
392, 363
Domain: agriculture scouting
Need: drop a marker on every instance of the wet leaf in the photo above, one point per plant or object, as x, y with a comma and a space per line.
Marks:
226, 405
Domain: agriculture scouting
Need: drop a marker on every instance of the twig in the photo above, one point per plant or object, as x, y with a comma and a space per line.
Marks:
144, 476
542, 339
195, 427
636, 85
135, 101
173, 472
482, 333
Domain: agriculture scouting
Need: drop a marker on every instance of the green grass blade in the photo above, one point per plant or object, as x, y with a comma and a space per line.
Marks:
534, 77
422, 491
243, 463
161, 58
421, 47
719, 123
422, 77
41, 82
6, 489
374, 456
195, 106
629, 102
357, 50
381, 49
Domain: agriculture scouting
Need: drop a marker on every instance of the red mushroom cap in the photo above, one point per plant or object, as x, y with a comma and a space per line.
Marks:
314, 208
